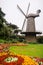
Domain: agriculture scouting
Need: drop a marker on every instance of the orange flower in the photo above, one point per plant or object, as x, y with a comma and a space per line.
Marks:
22, 60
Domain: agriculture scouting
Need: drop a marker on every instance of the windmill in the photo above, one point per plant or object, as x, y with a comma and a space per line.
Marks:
30, 33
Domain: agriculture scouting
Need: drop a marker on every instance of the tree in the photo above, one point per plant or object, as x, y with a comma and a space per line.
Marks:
6, 29
12, 27
2, 20
3, 28
16, 31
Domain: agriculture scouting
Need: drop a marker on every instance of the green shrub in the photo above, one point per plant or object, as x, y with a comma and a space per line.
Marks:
40, 39
2, 41
32, 43
14, 41
20, 40
13, 36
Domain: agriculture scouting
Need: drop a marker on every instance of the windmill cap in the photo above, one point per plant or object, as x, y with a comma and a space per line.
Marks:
38, 11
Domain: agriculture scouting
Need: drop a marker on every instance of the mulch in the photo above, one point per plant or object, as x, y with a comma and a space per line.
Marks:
13, 44
2, 46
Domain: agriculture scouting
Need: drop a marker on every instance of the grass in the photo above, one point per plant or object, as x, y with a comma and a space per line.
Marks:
30, 50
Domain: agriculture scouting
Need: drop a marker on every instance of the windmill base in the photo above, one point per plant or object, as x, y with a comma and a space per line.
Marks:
30, 38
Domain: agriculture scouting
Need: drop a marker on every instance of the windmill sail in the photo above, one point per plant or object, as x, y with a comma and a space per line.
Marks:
25, 17
21, 10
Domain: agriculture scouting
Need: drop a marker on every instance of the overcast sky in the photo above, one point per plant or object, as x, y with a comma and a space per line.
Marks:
13, 15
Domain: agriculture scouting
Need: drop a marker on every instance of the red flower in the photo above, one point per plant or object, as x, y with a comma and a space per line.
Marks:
18, 62
41, 59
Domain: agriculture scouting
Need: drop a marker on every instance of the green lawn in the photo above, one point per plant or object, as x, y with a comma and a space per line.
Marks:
30, 50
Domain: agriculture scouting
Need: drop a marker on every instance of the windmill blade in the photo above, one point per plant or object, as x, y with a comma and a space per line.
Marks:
23, 23
26, 15
28, 9
21, 10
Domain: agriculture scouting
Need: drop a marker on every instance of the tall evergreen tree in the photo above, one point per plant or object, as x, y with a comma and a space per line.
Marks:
3, 29
2, 20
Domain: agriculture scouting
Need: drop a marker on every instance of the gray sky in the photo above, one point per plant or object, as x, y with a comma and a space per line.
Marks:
14, 16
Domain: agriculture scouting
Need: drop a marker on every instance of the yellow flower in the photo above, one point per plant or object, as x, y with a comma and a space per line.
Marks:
3, 53
27, 60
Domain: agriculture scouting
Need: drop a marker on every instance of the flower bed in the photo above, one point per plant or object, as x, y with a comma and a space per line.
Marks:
13, 59
39, 60
8, 59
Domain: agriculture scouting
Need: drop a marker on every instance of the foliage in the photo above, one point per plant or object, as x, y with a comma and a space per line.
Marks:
2, 20
32, 42
8, 41
13, 26
3, 29
6, 30
21, 39
14, 41
1, 41
40, 39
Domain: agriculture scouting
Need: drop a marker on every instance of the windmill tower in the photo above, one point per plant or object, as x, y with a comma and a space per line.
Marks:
30, 33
